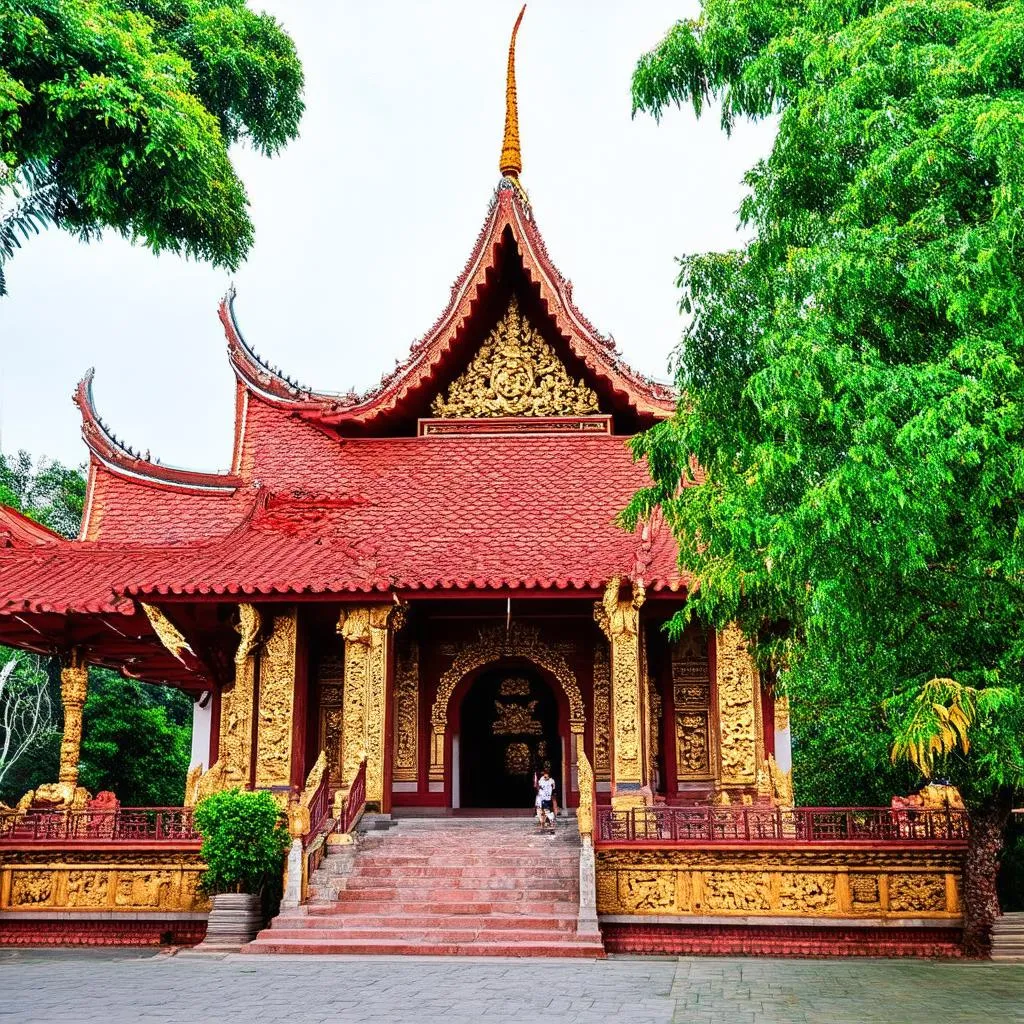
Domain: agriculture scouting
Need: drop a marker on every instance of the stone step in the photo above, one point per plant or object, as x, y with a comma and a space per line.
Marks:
480, 908
496, 922
560, 948
496, 883
444, 894
525, 874
437, 935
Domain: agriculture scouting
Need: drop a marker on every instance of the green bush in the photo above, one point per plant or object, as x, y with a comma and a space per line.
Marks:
244, 841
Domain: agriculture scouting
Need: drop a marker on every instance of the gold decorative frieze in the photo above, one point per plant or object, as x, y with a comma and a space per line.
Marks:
124, 882
407, 714
516, 686
276, 702
492, 645
738, 693
517, 759
515, 373
819, 883
618, 616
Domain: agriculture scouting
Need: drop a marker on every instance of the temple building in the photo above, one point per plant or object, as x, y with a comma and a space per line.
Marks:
427, 583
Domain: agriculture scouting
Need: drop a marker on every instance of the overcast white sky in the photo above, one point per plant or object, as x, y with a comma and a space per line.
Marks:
363, 223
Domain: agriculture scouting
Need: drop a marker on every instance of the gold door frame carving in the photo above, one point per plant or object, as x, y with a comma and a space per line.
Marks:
492, 645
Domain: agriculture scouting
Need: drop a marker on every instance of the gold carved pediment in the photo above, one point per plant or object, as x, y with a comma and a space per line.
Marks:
515, 373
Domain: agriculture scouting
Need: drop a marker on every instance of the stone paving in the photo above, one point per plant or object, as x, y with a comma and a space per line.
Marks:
105, 987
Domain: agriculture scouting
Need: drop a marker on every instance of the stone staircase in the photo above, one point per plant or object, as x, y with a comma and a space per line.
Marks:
1008, 938
457, 887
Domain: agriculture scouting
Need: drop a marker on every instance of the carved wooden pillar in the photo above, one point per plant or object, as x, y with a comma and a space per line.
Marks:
739, 710
407, 716
691, 701
236, 716
618, 615
74, 683
275, 727
368, 633
602, 716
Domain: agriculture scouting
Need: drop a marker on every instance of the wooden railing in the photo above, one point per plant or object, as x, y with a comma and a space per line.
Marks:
355, 801
123, 825
659, 825
319, 810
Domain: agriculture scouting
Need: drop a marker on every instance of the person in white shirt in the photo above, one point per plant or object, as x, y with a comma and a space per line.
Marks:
545, 800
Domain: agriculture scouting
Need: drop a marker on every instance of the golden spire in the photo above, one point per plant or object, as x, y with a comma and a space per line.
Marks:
511, 164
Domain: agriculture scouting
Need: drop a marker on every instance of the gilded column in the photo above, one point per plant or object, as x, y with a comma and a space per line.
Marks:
367, 633
602, 714
276, 701
74, 683
234, 751
738, 708
618, 615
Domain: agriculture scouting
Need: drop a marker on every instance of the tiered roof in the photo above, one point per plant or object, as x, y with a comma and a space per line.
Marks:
334, 494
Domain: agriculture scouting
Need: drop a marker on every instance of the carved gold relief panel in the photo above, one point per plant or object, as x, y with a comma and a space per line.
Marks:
602, 712
691, 693
169, 884
515, 373
407, 709
276, 702
738, 695
744, 884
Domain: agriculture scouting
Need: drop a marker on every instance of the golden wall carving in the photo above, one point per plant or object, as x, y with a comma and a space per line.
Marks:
407, 714
121, 882
276, 701
366, 631
515, 373
826, 883
515, 719
585, 811
738, 697
619, 619
602, 714
493, 644
74, 684
691, 693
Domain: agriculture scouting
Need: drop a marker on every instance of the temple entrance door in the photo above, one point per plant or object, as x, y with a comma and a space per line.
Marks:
509, 730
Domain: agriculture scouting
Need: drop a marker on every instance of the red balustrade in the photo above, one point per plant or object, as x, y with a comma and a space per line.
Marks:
123, 825
714, 824
354, 802
319, 809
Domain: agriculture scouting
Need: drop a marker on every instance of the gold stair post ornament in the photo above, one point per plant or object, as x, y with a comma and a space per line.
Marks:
585, 811
619, 619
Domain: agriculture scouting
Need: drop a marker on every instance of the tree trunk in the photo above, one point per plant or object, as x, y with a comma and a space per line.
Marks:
981, 870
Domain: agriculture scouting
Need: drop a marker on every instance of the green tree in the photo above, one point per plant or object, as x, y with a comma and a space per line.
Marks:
852, 383
136, 740
48, 492
120, 113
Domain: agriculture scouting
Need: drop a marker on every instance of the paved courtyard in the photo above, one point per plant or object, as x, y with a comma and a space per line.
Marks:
111, 986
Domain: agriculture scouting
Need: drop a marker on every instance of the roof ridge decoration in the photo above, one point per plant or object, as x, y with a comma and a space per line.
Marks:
515, 373
120, 458
511, 162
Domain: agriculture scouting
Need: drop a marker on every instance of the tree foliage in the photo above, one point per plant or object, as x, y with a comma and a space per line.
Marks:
245, 839
27, 719
119, 114
852, 378
48, 492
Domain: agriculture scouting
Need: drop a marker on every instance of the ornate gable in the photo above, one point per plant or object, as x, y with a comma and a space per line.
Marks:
515, 373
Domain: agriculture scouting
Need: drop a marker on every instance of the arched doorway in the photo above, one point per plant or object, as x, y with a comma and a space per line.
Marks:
509, 728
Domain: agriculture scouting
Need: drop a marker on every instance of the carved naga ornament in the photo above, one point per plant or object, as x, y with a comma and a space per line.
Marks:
515, 373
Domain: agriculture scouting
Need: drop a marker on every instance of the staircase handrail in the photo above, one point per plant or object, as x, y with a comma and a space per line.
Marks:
354, 801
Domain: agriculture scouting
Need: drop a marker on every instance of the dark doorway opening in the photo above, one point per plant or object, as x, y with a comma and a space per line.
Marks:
509, 731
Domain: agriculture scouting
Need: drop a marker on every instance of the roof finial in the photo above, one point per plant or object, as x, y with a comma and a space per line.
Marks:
511, 165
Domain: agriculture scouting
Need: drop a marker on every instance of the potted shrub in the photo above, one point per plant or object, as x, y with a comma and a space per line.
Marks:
244, 843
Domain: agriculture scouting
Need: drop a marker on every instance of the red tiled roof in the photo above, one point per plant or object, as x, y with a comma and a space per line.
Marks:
395, 513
